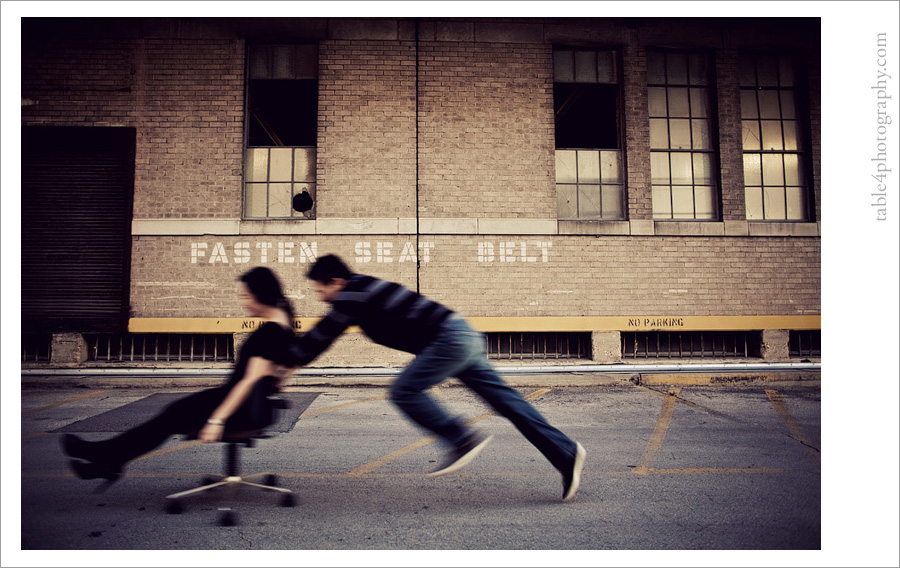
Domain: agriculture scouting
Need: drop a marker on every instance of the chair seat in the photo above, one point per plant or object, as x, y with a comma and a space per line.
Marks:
233, 440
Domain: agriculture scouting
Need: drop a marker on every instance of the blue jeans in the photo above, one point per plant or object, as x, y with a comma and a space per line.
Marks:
459, 351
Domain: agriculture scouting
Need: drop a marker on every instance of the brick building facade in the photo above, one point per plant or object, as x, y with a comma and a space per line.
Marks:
435, 164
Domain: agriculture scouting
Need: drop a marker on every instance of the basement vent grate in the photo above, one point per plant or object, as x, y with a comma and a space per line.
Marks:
36, 347
691, 344
144, 347
805, 343
538, 345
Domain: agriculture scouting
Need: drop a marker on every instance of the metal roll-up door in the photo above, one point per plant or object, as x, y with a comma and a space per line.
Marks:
77, 195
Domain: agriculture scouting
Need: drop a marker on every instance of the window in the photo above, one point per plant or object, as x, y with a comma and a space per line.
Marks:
282, 114
682, 157
774, 161
589, 165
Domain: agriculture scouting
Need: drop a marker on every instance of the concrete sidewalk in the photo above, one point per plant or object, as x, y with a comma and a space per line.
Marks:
518, 375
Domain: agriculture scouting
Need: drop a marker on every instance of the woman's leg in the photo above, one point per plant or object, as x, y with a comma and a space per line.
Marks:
185, 415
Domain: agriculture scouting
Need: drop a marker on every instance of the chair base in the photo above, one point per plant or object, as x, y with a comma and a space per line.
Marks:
231, 482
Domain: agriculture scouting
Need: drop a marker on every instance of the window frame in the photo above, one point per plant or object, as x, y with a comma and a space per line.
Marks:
613, 56
710, 117
803, 152
294, 69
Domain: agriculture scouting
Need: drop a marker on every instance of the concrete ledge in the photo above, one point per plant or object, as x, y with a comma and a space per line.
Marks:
467, 226
161, 227
358, 226
517, 226
689, 228
299, 227
448, 226
727, 379
594, 228
516, 375
777, 229
642, 227
737, 229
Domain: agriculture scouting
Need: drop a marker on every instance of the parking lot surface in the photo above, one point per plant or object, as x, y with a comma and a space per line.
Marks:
668, 468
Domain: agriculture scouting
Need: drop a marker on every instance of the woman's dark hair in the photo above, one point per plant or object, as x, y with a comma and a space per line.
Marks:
265, 287
327, 268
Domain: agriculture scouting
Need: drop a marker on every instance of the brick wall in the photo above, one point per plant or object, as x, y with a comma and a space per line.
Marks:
481, 143
185, 98
486, 130
637, 129
367, 130
499, 276
189, 110
731, 165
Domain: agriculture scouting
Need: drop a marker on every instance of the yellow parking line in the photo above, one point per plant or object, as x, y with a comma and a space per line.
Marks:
659, 432
381, 462
33, 435
309, 413
713, 470
176, 448
796, 430
63, 402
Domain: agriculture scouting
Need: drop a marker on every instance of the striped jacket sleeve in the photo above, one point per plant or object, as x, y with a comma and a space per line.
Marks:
311, 344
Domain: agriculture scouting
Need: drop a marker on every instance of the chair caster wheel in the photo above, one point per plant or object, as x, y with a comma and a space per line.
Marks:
174, 506
271, 480
287, 500
227, 519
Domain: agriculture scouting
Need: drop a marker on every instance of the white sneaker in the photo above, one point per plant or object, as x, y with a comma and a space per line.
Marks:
572, 479
458, 457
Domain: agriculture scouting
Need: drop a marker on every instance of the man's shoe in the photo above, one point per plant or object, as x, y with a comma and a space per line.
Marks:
572, 477
461, 455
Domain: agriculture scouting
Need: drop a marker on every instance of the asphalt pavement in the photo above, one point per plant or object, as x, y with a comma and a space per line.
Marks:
681, 467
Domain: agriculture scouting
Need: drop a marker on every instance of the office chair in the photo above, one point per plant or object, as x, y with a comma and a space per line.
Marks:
232, 480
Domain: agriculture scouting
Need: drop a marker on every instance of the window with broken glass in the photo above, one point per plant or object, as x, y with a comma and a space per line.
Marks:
282, 108
775, 187
590, 178
682, 155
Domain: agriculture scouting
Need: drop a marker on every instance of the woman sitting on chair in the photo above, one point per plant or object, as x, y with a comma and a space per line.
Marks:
239, 404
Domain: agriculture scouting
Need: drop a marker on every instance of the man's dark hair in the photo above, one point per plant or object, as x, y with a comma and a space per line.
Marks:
327, 268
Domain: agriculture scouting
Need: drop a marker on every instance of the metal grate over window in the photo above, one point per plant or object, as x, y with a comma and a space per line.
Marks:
805, 343
36, 347
691, 344
184, 347
538, 345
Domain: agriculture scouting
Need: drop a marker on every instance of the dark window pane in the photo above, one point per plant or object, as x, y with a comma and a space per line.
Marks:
699, 73
748, 70
676, 69
656, 68
585, 115
282, 113
563, 69
585, 67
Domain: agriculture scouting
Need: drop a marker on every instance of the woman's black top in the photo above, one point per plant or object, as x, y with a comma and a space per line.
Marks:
270, 341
